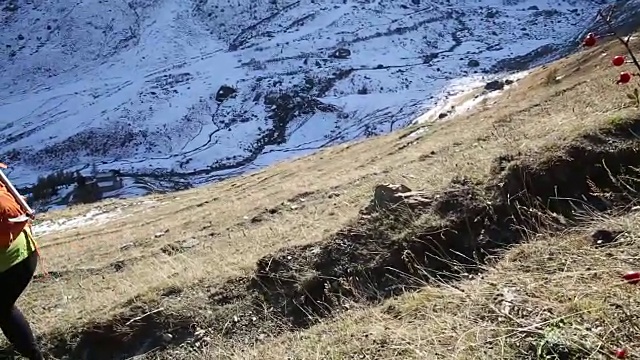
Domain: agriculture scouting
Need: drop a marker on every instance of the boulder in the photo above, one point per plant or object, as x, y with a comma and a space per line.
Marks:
604, 237
224, 93
386, 196
11, 7
341, 53
188, 244
491, 14
494, 85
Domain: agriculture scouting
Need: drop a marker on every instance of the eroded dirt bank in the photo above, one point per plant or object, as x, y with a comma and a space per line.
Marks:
400, 241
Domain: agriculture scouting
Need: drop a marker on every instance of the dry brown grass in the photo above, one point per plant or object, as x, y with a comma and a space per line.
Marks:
334, 184
555, 292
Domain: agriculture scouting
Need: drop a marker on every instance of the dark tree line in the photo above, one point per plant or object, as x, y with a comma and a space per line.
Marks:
47, 186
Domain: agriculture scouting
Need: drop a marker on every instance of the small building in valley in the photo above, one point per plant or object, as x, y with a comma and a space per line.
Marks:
108, 180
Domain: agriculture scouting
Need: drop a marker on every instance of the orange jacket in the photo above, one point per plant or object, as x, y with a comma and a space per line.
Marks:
9, 208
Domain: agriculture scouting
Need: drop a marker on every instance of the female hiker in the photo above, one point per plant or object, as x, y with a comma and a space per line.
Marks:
18, 260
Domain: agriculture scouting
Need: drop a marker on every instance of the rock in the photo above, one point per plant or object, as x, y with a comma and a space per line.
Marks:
341, 53
118, 265
333, 194
171, 249
224, 93
11, 7
199, 334
270, 99
494, 85
126, 246
415, 2
428, 58
508, 82
603, 237
443, 115
491, 14
343, 115
473, 63
415, 199
190, 243
508, 300
533, 8
547, 13
388, 195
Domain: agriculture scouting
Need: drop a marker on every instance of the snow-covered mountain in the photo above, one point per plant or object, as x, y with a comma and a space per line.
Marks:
187, 91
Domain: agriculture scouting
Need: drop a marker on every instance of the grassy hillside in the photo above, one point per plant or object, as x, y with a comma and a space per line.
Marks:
489, 257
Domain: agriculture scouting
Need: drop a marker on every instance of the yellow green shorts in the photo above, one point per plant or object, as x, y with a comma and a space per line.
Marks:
19, 250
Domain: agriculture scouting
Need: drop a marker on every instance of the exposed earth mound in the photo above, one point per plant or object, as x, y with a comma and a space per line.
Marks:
401, 241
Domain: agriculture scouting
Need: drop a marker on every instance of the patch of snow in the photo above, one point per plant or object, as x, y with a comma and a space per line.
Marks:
453, 105
132, 85
451, 96
93, 217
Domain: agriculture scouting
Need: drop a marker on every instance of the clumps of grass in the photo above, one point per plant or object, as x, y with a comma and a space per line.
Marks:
552, 77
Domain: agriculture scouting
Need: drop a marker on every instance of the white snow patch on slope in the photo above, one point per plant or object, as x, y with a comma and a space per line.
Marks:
461, 88
132, 85
93, 217
454, 105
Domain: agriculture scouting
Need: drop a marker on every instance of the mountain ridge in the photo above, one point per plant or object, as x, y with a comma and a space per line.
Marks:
134, 86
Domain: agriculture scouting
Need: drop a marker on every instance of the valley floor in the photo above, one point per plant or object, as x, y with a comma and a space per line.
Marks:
289, 263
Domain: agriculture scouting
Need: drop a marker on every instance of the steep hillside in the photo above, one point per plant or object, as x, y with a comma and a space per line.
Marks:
478, 247
179, 93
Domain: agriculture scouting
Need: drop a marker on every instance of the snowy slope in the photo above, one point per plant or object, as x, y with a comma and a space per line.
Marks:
132, 84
